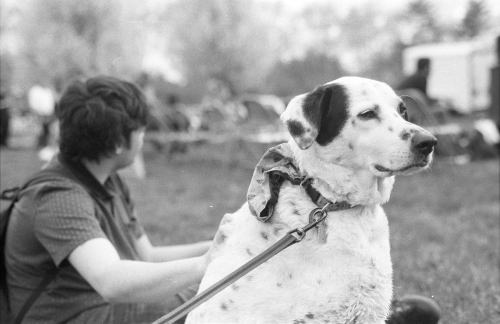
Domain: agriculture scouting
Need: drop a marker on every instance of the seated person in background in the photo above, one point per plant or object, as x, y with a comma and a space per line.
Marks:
81, 224
418, 80
415, 87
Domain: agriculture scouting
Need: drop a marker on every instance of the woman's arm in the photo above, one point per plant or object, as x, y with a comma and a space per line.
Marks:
119, 280
151, 253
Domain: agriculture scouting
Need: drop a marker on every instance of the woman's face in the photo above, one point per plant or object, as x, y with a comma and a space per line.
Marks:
128, 154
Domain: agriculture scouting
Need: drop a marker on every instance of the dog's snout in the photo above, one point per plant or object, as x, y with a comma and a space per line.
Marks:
423, 143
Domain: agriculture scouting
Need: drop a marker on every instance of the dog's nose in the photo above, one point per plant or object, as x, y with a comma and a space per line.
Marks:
423, 143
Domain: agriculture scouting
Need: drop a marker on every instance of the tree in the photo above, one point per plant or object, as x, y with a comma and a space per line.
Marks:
303, 74
387, 65
418, 23
67, 39
226, 40
475, 20
8, 20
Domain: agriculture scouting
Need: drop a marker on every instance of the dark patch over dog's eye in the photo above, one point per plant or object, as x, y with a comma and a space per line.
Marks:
368, 114
295, 128
403, 111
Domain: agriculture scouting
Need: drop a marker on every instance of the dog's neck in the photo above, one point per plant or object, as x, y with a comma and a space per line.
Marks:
340, 183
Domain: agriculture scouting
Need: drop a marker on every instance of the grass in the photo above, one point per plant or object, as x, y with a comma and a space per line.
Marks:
445, 223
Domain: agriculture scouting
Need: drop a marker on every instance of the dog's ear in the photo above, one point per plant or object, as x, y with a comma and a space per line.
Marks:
318, 115
303, 130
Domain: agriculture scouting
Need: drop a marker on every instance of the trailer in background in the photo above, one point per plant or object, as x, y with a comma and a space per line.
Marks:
460, 71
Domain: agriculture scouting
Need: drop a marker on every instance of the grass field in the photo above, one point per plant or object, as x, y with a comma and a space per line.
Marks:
445, 223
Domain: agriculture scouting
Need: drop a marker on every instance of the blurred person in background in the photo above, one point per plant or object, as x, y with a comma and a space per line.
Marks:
418, 80
415, 86
495, 88
4, 120
78, 232
42, 103
175, 119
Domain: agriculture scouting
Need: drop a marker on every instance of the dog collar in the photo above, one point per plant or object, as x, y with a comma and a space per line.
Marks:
277, 165
321, 201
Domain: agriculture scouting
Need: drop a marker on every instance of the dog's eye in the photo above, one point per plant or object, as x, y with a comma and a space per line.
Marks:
402, 111
368, 114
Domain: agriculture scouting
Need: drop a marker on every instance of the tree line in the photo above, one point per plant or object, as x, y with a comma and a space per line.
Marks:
254, 46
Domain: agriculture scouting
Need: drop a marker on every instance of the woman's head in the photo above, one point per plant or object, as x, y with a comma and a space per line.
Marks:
97, 116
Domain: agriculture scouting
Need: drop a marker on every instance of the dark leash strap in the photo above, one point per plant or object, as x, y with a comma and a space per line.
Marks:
317, 216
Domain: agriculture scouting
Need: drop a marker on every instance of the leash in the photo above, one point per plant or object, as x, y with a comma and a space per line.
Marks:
316, 216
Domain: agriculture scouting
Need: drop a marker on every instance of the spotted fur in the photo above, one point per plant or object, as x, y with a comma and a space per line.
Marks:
353, 155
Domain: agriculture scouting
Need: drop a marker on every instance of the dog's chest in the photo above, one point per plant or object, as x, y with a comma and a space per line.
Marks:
345, 278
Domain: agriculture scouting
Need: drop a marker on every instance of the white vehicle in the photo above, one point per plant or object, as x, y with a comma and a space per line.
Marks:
460, 71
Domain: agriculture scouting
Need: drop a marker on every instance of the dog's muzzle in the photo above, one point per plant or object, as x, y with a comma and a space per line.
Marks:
423, 143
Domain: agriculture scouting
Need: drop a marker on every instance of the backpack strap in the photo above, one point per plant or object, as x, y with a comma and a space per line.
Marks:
13, 194
9, 194
48, 278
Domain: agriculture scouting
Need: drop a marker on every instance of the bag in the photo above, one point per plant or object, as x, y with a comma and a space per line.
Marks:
13, 195
9, 194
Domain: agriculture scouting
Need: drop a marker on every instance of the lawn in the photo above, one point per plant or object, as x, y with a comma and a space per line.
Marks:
445, 223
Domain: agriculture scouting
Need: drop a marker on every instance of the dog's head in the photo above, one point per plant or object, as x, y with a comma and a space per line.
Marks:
359, 123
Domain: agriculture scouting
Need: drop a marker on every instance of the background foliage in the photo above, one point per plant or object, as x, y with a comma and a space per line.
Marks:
252, 45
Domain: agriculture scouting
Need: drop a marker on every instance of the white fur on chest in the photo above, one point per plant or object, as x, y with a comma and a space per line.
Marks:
346, 279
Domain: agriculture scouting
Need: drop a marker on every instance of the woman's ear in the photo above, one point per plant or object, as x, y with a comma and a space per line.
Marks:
119, 150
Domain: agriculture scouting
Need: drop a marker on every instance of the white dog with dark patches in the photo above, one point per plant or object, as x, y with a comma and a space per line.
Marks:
351, 137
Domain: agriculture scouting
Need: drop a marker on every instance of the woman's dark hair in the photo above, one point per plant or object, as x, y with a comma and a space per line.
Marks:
98, 115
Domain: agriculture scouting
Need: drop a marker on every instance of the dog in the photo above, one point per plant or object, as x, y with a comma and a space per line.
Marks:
350, 137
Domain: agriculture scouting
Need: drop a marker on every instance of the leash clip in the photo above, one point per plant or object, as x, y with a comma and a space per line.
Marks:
317, 217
